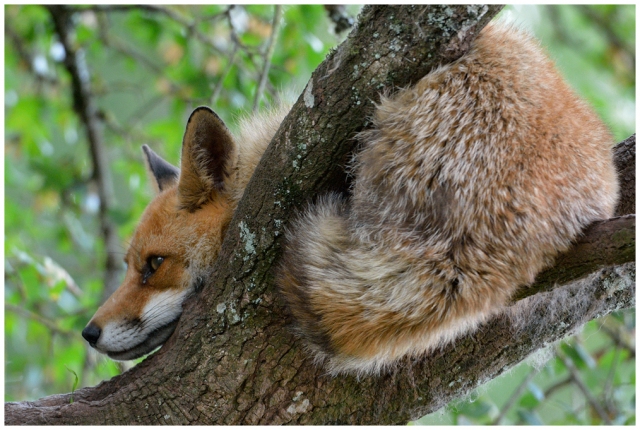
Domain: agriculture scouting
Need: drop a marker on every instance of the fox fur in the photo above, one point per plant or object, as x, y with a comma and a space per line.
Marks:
468, 184
182, 228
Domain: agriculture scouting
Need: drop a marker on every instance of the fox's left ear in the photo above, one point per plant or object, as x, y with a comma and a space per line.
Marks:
208, 154
164, 173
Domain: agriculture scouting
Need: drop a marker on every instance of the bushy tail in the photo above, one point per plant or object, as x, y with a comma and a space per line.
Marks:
360, 306
467, 185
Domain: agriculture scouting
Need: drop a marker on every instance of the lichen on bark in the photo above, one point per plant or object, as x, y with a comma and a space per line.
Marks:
233, 359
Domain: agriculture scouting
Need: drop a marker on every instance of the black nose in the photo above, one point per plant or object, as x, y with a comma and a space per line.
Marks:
91, 333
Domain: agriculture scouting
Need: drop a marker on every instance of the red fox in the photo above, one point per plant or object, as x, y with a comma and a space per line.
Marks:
469, 183
180, 232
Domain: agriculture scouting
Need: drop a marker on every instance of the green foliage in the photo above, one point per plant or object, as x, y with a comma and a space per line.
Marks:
75, 384
594, 48
547, 392
149, 67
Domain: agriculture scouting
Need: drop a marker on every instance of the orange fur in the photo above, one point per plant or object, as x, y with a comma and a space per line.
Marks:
467, 186
184, 226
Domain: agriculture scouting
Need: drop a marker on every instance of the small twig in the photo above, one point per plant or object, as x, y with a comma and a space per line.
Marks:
607, 28
577, 379
25, 55
555, 387
150, 8
230, 63
215, 16
621, 343
129, 134
249, 51
515, 396
125, 50
190, 25
607, 392
18, 44
39, 319
110, 8
143, 110
558, 27
270, 48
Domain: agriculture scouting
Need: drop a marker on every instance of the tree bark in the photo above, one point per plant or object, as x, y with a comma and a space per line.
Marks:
233, 360
624, 157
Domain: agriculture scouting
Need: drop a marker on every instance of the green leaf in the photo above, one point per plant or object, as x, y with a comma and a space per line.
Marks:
579, 356
529, 401
32, 282
75, 384
57, 289
529, 417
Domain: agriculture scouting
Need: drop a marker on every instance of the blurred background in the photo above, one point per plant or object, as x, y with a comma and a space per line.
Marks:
85, 87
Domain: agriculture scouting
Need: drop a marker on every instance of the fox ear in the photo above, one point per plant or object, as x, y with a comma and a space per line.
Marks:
164, 173
208, 151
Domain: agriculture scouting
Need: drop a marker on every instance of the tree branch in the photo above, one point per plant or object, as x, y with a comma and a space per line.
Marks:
575, 377
624, 157
51, 325
233, 359
25, 55
268, 53
85, 108
605, 243
608, 28
515, 396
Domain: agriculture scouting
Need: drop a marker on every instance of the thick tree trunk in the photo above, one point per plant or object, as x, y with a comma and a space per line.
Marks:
232, 359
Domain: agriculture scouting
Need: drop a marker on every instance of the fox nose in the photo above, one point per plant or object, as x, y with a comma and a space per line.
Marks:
91, 333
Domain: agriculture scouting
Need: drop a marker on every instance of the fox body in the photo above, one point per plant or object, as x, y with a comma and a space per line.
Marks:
469, 183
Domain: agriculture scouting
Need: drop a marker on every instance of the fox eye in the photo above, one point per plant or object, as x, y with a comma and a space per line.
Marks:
150, 268
155, 262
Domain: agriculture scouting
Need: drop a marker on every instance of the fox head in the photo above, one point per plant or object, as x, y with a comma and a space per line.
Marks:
177, 240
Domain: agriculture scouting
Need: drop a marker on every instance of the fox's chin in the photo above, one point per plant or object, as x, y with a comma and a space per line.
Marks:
155, 339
